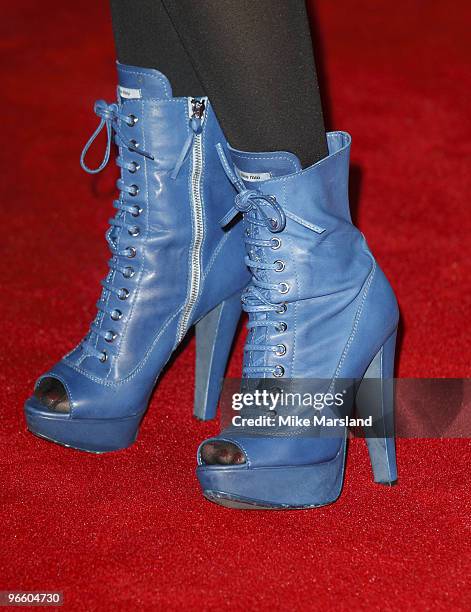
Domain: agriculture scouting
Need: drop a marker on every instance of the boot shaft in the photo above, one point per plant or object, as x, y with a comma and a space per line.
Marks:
170, 252
318, 194
318, 272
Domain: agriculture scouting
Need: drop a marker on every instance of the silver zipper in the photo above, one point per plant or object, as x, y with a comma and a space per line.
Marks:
197, 109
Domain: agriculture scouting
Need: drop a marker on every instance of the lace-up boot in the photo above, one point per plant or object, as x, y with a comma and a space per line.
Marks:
320, 309
172, 266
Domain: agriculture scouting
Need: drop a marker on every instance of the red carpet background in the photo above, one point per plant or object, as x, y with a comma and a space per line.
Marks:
130, 530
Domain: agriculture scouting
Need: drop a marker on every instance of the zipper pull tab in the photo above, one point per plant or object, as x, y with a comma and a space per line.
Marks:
196, 127
198, 107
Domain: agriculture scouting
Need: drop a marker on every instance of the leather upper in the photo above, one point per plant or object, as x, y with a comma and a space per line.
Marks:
340, 308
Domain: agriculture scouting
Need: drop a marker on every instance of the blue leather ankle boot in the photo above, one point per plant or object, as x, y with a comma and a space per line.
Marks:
319, 309
172, 267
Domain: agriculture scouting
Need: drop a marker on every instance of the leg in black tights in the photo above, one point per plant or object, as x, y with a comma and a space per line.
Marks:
144, 36
254, 60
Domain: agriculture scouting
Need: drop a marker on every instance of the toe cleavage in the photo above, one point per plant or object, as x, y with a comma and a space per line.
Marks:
51, 393
221, 453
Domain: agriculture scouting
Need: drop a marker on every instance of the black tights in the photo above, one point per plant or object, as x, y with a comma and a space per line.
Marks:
253, 59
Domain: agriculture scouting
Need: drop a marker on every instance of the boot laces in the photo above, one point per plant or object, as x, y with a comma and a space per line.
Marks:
262, 212
112, 119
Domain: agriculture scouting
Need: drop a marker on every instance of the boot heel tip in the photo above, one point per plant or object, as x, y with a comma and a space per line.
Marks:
388, 483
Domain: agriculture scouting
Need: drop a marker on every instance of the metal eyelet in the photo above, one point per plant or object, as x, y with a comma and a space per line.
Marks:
275, 243
281, 308
137, 211
280, 265
103, 357
111, 336
280, 350
283, 288
131, 252
274, 224
132, 120
128, 272
123, 294
247, 231
278, 371
134, 231
134, 145
135, 167
116, 315
281, 327
135, 190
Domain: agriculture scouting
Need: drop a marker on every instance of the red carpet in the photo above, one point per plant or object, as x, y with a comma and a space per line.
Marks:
129, 530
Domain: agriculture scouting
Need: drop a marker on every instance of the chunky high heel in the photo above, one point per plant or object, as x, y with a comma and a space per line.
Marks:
320, 309
171, 265
375, 398
214, 336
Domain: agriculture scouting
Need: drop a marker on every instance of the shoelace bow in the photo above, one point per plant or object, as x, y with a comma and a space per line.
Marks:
110, 118
261, 211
